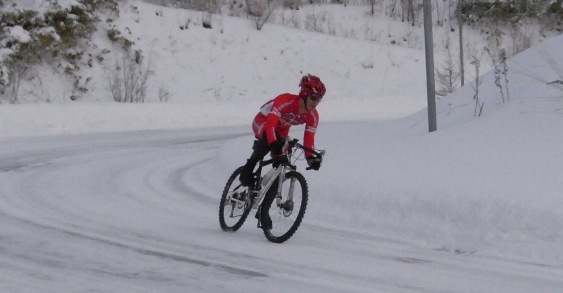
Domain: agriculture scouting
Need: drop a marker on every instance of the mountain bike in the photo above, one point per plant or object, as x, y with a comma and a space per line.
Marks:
284, 204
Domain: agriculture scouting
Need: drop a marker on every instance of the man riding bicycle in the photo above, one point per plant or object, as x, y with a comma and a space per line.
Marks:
271, 125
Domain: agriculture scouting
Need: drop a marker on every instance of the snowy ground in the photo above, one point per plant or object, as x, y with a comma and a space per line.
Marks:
133, 212
96, 197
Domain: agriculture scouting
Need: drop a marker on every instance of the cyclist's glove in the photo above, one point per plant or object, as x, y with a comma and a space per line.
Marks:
314, 163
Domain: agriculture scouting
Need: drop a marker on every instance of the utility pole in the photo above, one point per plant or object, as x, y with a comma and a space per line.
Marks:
429, 50
460, 21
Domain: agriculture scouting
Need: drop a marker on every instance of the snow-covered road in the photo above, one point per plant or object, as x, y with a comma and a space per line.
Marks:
119, 213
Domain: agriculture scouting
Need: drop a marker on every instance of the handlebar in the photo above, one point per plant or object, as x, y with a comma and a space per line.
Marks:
318, 153
292, 143
295, 143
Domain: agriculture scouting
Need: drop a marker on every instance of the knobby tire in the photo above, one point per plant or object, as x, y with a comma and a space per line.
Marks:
226, 206
285, 223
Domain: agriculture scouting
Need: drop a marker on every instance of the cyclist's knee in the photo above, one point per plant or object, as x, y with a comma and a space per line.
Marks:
260, 145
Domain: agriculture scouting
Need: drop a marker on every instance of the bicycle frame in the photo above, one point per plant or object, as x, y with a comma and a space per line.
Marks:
261, 188
278, 172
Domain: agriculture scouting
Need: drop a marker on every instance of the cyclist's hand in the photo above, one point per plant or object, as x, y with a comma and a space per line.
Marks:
314, 163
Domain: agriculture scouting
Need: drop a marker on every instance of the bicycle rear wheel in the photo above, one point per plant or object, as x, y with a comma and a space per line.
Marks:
286, 215
235, 203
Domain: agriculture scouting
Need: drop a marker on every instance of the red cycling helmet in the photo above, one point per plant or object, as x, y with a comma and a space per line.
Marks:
311, 85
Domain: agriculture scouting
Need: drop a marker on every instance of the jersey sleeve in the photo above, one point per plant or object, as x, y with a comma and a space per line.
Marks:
272, 118
310, 130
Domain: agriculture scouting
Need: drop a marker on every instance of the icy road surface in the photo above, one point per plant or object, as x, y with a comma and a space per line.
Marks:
118, 213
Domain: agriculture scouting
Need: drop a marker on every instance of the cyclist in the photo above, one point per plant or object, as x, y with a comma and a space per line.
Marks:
271, 125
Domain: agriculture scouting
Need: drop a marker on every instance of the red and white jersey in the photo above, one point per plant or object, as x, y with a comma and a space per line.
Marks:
278, 115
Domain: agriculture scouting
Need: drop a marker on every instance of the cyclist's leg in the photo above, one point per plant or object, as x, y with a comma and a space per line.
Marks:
264, 217
260, 149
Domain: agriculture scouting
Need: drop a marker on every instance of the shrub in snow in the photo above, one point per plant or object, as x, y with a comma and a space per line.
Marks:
128, 79
448, 74
57, 36
478, 105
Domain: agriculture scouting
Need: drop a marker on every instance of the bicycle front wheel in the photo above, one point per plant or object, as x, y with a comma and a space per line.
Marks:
235, 203
287, 209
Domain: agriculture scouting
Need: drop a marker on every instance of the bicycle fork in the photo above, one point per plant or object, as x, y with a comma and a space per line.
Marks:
277, 174
280, 186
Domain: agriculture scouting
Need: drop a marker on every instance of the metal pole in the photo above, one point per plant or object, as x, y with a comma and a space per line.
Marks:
429, 49
460, 21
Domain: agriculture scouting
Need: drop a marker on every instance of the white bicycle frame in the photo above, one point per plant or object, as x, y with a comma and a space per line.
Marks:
278, 172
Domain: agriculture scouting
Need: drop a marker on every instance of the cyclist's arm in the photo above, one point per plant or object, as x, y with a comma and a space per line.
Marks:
310, 130
278, 105
272, 120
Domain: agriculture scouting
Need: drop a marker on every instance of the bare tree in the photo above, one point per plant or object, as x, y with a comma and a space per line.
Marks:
259, 11
498, 58
504, 71
478, 105
17, 71
448, 74
128, 83
291, 4
440, 12
409, 10
163, 94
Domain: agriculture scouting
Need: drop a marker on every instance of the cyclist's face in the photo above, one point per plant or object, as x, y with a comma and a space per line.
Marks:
313, 101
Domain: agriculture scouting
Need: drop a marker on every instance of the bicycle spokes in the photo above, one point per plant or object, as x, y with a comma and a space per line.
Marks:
288, 209
235, 204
